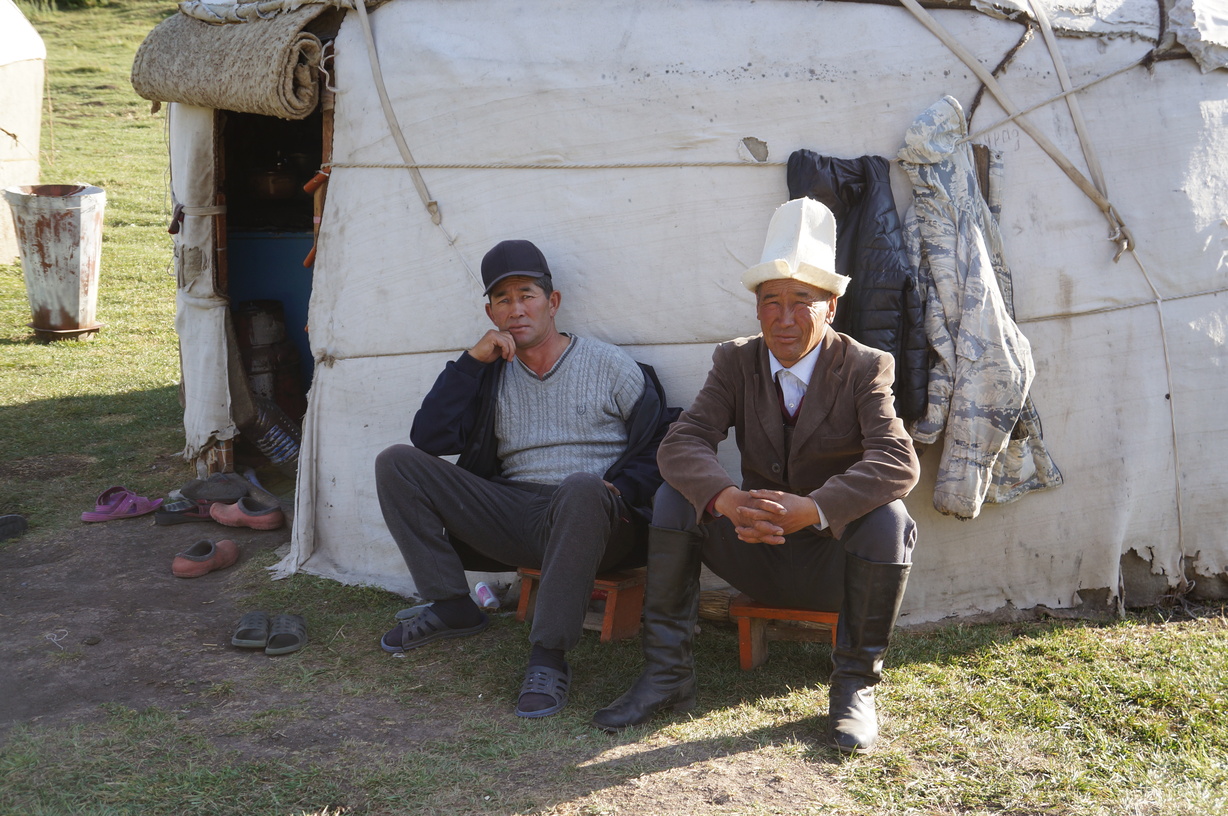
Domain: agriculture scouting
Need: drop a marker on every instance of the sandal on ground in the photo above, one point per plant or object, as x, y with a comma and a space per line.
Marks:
411, 611
183, 510
12, 525
252, 631
421, 629
287, 634
118, 503
550, 682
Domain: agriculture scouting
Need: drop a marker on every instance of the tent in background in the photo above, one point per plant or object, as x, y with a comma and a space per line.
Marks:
642, 147
22, 65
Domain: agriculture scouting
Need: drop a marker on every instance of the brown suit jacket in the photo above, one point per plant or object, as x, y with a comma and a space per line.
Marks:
850, 452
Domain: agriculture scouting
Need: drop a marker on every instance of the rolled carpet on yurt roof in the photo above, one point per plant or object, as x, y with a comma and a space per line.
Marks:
268, 65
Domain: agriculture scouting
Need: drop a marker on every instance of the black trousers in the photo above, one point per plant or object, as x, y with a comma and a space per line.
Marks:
805, 572
569, 531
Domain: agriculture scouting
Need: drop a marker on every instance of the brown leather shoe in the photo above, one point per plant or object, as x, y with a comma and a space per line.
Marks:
204, 557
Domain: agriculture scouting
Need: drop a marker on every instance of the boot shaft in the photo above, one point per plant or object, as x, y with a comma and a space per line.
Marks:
873, 594
671, 600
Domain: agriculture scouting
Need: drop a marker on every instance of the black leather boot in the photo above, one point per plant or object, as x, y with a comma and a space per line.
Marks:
671, 607
872, 596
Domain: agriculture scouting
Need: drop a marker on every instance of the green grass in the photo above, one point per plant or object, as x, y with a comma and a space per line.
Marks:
80, 416
1052, 717
1046, 717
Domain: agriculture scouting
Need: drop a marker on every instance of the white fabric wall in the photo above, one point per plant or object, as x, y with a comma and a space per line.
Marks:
650, 257
22, 68
200, 312
18, 39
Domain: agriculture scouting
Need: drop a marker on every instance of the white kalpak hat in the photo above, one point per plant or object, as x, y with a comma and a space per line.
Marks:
801, 245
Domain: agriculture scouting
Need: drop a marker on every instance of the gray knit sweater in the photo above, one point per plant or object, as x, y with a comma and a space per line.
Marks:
570, 421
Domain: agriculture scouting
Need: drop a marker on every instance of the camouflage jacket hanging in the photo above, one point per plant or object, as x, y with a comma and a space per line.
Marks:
981, 363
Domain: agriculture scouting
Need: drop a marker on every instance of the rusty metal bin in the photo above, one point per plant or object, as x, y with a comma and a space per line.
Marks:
59, 237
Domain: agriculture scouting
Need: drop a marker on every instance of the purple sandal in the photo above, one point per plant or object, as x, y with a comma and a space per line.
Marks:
119, 503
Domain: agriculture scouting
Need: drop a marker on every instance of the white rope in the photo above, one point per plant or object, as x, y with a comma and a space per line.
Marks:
1123, 307
1120, 234
1046, 102
377, 75
1182, 585
1097, 173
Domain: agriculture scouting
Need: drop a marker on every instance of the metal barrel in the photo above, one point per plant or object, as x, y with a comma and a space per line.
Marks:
59, 238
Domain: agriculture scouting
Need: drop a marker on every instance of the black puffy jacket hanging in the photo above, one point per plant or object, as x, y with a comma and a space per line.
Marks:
883, 307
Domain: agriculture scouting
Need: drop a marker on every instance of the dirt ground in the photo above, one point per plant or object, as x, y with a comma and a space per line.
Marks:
92, 617
102, 597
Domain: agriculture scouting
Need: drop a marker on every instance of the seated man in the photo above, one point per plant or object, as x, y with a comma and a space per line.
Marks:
818, 522
557, 436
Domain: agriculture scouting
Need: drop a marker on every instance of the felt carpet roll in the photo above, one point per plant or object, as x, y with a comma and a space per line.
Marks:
267, 66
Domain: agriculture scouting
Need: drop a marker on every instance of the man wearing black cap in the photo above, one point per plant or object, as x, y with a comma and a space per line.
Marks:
557, 438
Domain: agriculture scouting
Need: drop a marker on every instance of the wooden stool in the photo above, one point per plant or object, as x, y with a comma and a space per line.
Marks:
623, 604
754, 630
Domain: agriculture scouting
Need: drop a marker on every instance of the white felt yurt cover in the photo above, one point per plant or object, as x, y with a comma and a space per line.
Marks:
630, 121
22, 66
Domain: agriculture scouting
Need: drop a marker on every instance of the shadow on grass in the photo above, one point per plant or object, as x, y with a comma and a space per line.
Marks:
57, 455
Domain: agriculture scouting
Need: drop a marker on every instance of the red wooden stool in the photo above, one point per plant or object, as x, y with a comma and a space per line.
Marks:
754, 629
623, 603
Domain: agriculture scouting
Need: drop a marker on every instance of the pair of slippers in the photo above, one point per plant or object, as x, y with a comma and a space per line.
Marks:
119, 503
279, 635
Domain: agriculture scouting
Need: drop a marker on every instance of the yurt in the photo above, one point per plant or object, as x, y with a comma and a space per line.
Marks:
644, 148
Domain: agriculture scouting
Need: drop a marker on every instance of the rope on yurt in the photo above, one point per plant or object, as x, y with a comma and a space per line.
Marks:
1093, 166
377, 74
1057, 97
1024, 39
1120, 234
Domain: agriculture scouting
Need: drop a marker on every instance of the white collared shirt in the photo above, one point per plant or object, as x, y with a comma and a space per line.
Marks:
794, 381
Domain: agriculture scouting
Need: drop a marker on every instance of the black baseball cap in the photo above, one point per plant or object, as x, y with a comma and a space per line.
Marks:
512, 258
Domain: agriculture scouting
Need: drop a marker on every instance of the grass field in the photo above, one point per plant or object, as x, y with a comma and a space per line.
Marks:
80, 416
1045, 717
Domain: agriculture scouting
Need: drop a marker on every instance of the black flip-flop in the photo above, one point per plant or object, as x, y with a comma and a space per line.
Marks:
12, 525
548, 681
252, 631
183, 510
422, 628
288, 634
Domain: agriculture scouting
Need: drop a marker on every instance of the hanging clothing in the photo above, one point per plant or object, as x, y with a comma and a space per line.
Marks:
883, 306
982, 365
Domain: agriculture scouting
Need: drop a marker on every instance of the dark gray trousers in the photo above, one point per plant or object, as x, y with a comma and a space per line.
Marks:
570, 532
807, 571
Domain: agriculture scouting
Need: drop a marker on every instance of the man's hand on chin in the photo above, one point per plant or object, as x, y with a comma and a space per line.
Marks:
493, 345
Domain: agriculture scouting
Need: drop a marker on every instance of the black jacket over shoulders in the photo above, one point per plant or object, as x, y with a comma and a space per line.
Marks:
458, 417
883, 307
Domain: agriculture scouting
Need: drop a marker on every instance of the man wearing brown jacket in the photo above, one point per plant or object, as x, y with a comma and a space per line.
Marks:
818, 522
